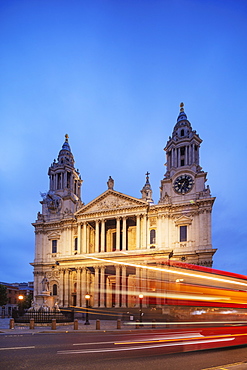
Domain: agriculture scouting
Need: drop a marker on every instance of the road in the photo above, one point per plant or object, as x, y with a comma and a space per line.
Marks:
111, 350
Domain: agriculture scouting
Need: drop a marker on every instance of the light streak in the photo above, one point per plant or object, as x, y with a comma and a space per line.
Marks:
13, 348
183, 339
158, 345
188, 322
168, 270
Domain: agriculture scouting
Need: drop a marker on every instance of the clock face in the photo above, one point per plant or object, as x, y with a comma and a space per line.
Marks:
183, 184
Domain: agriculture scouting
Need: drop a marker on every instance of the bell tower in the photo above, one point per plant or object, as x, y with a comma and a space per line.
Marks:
183, 190
64, 195
184, 178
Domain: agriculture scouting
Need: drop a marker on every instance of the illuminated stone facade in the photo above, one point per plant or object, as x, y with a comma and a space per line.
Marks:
94, 248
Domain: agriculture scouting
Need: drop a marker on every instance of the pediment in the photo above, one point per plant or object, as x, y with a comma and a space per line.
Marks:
111, 200
53, 235
183, 220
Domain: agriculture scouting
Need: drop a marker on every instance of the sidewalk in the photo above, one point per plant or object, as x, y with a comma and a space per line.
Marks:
105, 325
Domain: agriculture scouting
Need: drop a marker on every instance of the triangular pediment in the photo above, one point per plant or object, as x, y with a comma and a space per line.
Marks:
53, 235
183, 220
111, 200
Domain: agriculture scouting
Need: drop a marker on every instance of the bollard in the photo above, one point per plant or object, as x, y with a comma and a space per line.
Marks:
31, 324
153, 324
11, 323
118, 324
97, 324
53, 324
75, 324
137, 324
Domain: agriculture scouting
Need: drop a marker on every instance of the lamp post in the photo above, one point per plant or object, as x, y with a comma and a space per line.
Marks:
20, 297
140, 299
87, 297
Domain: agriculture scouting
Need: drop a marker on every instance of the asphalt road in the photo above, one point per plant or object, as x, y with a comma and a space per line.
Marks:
108, 351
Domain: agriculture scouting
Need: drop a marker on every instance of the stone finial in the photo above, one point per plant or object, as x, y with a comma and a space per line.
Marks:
67, 138
110, 183
181, 107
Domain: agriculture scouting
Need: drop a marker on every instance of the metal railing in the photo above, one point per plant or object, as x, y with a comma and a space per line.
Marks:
43, 316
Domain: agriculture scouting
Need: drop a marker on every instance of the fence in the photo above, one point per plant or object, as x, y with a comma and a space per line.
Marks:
43, 317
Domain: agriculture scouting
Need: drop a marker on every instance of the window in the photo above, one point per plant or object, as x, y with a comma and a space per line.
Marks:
182, 162
54, 246
182, 132
152, 236
182, 150
183, 233
76, 244
54, 289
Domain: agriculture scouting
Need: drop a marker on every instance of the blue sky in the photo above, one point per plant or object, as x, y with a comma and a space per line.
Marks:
112, 74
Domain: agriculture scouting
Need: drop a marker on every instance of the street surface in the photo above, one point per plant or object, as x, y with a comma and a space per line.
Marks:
114, 350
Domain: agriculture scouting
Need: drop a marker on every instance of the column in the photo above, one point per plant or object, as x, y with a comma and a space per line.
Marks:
78, 288
118, 235
124, 238
96, 236
83, 286
137, 286
102, 286
138, 244
79, 239
158, 277
61, 288
124, 286
158, 232
117, 289
144, 232
186, 156
96, 286
84, 238
144, 287
66, 288
179, 157
103, 235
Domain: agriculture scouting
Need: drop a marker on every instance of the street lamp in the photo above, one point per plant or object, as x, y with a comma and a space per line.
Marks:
87, 297
21, 297
140, 299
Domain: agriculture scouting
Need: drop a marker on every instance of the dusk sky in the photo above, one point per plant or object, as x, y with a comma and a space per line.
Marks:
111, 74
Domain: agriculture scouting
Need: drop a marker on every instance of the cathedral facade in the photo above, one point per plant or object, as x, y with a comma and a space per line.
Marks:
97, 251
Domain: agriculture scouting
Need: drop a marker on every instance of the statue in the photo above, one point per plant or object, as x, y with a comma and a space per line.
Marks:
45, 285
110, 183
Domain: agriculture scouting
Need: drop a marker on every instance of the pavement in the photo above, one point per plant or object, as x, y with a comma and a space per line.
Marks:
105, 325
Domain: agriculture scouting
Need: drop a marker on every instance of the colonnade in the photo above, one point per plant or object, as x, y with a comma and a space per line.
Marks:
100, 233
191, 155
108, 286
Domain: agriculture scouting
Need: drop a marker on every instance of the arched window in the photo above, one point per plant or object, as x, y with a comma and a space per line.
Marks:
76, 244
54, 289
152, 236
182, 132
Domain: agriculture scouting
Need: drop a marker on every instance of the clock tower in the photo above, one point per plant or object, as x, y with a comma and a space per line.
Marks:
64, 195
190, 201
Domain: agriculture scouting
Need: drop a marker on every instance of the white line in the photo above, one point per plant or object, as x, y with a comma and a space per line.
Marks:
5, 349
74, 352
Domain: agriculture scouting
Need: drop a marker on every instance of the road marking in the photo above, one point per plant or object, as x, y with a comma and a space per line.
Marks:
6, 349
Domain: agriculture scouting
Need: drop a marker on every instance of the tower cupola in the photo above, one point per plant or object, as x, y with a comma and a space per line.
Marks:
147, 190
64, 193
182, 148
